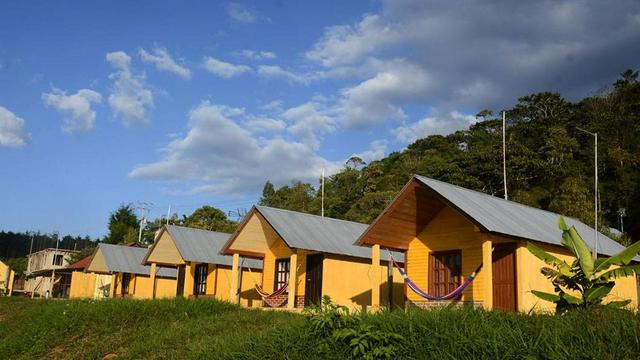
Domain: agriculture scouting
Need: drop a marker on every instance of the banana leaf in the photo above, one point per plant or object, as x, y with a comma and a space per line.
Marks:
574, 242
624, 257
549, 259
571, 299
622, 271
595, 295
546, 296
619, 303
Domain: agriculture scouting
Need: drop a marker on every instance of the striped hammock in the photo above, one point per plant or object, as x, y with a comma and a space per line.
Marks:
452, 295
266, 295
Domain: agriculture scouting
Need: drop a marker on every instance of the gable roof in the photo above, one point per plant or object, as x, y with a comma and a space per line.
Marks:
128, 259
80, 264
204, 246
316, 233
500, 216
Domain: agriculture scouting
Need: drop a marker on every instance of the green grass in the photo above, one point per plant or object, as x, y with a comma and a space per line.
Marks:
178, 329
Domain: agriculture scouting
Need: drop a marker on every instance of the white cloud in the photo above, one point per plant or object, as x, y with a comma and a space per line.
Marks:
80, 116
344, 44
219, 156
164, 62
433, 125
257, 55
223, 69
470, 56
239, 13
377, 150
275, 71
130, 99
309, 122
263, 124
380, 98
12, 132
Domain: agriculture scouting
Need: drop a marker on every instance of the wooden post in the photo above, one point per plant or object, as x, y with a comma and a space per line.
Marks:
487, 277
234, 294
12, 274
114, 285
152, 273
375, 277
189, 279
293, 280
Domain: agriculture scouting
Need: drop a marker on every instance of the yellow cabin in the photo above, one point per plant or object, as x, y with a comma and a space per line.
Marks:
446, 232
201, 270
6, 279
117, 271
318, 253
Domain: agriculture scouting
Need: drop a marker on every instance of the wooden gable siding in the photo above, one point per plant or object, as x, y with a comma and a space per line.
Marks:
255, 236
165, 252
405, 218
98, 264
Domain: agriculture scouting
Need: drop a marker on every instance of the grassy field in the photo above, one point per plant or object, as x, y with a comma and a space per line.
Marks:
178, 329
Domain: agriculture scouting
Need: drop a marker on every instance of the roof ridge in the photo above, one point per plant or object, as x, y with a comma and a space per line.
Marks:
311, 215
500, 199
197, 229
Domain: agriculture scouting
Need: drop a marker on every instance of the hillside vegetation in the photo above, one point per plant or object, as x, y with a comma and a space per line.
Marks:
179, 329
549, 161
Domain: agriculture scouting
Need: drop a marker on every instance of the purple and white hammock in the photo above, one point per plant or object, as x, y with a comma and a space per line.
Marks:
452, 295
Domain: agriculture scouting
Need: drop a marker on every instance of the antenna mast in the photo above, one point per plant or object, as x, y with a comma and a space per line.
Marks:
504, 153
322, 190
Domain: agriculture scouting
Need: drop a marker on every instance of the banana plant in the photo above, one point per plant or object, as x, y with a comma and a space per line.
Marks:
590, 279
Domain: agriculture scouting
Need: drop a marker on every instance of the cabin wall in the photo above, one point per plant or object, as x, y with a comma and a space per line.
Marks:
83, 285
447, 231
165, 251
4, 277
532, 279
347, 280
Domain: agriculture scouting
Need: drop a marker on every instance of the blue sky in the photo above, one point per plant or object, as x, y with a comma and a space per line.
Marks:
192, 103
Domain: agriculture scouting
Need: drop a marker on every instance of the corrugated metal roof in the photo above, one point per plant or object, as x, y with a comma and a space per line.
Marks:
121, 258
204, 246
514, 219
317, 233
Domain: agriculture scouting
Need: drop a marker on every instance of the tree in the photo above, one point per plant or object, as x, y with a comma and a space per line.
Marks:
591, 278
123, 226
210, 218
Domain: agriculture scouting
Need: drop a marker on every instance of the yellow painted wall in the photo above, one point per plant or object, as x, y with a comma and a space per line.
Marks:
347, 281
221, 278
4, 277
83, 285
164, 251
451, 231
256, 235
532, 279
447, 231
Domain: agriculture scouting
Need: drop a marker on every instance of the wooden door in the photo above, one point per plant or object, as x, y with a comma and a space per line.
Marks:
504, 277
180, 287
313, 285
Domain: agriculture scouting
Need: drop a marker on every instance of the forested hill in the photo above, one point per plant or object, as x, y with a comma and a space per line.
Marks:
549, 161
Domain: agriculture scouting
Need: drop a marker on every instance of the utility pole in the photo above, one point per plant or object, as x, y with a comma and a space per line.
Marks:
595, 191
168, 214
53, 272
322, 191
504, 153
143, 206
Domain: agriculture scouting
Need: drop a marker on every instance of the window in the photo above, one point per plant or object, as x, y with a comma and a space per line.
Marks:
444, 272
282, 273
57, 260
126, 279
200, 281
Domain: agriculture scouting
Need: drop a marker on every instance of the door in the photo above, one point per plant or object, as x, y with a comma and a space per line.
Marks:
313, 286
504, 277
180, 287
